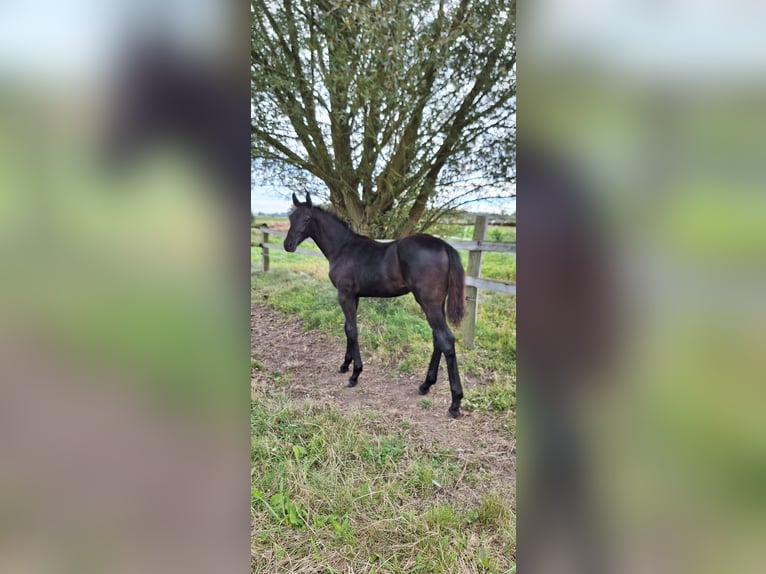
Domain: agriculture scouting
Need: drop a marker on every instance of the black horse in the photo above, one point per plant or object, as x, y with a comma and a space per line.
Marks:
423, 265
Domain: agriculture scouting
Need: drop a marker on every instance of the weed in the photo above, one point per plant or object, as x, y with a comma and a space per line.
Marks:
279, 378
282, 509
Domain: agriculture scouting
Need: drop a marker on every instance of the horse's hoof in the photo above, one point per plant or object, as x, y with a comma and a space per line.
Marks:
453, 414
343, 369
351, 383
422, 390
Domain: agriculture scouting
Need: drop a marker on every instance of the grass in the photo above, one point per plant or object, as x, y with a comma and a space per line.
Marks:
334, 493
352, 494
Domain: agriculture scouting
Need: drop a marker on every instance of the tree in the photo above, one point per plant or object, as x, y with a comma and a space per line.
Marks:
401, 108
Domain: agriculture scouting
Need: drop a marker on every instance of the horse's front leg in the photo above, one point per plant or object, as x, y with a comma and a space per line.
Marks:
349, 303
347, 359
349, 345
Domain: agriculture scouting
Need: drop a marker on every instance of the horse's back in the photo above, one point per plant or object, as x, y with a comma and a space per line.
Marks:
375, 269
423, 258
424, 249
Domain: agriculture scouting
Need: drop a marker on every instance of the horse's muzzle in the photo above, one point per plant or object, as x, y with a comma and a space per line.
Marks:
289, 245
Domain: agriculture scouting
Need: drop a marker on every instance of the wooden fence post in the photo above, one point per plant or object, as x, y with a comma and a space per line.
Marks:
472, 293
265, 251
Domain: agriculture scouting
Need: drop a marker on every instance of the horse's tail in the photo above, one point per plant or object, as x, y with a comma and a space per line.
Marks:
455, 288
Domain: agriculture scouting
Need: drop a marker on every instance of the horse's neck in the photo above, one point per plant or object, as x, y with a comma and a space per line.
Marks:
331, 235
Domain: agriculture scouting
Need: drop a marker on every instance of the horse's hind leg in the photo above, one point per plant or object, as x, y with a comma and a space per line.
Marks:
349, 304
445, 342
433, 369
349, 347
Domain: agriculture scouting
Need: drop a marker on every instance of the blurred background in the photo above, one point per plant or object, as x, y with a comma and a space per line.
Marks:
124, 281
124, 230
660, 108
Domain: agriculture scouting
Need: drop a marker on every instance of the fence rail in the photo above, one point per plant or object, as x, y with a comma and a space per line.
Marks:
473, 282
491, 285
459, 245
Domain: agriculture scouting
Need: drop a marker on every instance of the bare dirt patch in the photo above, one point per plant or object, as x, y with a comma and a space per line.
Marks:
305, 365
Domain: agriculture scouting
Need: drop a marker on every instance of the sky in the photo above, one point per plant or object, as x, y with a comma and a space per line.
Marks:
269, 200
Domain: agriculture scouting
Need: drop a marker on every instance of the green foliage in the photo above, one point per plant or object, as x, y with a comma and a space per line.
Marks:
400, 135
282, 509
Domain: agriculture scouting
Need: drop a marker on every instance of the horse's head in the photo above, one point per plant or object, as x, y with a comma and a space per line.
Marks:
301, 223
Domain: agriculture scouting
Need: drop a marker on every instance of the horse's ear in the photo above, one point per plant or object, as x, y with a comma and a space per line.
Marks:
296, 203
308, 199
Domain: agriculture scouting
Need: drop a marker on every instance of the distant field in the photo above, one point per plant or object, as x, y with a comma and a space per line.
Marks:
465, 232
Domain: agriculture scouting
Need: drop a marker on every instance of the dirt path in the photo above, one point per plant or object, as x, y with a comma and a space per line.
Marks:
306, 363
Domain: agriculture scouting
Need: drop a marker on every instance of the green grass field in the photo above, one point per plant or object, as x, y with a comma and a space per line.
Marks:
337, 493
334, 492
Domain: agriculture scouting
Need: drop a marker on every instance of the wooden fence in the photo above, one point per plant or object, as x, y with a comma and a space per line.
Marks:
476, 248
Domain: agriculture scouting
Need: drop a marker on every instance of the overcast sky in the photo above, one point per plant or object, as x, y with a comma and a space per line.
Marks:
269, 200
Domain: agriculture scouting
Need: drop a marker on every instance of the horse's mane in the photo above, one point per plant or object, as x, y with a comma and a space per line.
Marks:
333, 216
327, 212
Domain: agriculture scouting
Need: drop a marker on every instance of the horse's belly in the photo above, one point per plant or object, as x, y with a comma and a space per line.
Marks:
384, 292
381, 287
